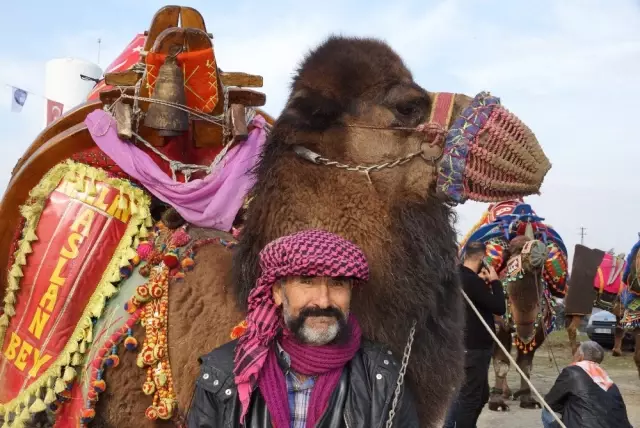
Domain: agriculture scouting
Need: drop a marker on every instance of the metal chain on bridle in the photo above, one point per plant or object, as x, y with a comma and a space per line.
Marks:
403, 370
432, 131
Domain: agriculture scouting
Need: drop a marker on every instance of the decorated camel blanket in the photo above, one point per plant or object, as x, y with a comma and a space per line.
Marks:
77, 245
504, 221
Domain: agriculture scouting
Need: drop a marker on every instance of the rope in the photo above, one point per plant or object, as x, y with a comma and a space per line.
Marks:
508, 354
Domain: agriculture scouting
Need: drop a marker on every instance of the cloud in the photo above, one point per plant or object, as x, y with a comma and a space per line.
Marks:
567, 68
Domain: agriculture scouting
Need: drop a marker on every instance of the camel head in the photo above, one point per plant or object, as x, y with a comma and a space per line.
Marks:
524, 284
355, 105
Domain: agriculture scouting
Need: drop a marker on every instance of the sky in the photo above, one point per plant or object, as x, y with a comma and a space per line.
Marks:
568, 69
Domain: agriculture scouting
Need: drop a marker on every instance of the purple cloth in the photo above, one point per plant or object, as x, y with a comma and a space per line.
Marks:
326, 362
211, 202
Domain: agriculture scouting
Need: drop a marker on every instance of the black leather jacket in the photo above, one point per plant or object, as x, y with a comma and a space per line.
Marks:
584, 404
362, 399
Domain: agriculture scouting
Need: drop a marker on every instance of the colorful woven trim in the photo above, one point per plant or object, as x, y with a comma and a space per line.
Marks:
168, 254
490, 155
462, 135
57, 379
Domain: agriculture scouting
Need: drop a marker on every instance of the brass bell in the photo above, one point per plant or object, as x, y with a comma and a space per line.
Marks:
168, 120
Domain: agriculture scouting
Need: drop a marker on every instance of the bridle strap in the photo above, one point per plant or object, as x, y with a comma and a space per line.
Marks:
442, 108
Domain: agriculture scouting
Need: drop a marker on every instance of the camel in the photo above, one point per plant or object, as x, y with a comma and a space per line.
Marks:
531, 276
595, 268
347, 155
631, 301
530, 314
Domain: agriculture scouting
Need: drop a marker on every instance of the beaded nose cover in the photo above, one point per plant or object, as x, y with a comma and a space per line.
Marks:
490, 155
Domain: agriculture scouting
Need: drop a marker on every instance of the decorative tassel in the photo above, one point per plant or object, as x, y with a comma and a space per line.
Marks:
6, 423
9, 310
4, 320
25, 247
99, 385
144, 233
13, 284
83, 347
69, 374
25, 416
77, 359
131, 253
60, 386
38, 406
21, 258
30, 235
109, 291
79, 186
73, 347
65, 359
97, 309
16, 272
91, 188
122, 203
148, 221
89, 336
130, 343
50, 397
18, 423
115, 276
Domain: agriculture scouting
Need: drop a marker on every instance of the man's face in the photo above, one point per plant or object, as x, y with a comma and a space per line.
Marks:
315, 309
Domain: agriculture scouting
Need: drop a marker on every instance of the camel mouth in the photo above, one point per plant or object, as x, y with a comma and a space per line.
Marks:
475, 144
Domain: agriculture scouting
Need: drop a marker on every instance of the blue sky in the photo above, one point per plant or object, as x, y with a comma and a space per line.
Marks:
569, 69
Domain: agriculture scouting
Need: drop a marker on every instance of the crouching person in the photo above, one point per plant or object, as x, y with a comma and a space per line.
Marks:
302, 361
585, 395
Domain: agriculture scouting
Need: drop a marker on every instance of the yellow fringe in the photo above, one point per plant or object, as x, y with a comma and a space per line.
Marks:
72, 352
49, 397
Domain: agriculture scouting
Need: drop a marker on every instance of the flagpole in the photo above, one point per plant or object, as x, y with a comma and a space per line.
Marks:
99, 42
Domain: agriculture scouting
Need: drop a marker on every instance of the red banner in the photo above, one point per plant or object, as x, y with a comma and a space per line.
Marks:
123, 62
77, 238
54, 111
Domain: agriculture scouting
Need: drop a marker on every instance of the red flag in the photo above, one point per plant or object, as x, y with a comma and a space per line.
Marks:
54, 110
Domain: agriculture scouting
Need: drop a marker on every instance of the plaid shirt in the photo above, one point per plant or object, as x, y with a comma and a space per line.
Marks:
299, 392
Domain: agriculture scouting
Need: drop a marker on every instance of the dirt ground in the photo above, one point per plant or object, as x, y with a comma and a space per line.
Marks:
621, 369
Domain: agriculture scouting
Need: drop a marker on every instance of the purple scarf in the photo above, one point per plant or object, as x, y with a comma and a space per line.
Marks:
325, 362
213, 201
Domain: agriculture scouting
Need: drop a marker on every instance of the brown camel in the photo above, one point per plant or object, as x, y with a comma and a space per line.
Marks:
631, 317
404, 229
529, 313
587, 262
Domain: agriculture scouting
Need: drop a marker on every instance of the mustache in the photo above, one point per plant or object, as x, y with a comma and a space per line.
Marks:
315, 311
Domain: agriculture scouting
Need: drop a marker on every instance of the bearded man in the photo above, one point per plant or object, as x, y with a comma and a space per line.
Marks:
302, 361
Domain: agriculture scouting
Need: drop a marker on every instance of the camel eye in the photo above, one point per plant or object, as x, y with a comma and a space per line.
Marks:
407, 109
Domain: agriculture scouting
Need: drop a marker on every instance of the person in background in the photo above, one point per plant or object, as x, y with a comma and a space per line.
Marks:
480, 282
585, 395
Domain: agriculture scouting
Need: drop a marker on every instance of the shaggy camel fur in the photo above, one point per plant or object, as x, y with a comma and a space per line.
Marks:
405, 230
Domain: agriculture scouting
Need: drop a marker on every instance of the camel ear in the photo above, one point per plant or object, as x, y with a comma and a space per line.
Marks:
490, 155
309, 110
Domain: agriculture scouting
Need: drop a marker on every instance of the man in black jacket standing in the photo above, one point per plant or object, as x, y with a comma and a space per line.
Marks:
302, 361
585, 395
483, 287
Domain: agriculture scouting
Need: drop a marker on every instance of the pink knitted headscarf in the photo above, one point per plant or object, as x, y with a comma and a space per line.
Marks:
307, 253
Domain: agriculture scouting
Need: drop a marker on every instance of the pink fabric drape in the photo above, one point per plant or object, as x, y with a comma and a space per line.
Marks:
211, 202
